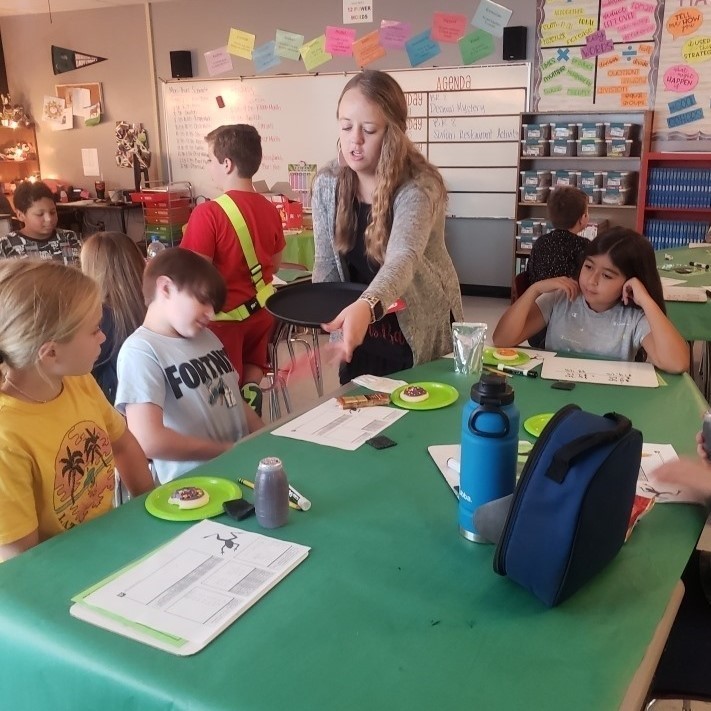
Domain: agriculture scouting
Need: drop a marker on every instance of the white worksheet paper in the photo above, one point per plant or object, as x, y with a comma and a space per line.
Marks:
194, 586
653, 456
330, 425
601, 372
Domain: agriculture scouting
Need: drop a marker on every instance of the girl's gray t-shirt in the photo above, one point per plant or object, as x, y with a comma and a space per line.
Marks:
573, 327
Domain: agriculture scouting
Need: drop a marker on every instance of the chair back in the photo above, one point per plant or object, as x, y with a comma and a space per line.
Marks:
520, 284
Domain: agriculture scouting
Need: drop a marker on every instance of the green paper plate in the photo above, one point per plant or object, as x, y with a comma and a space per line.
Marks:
534, 425
441, 395
489, 358
220, 490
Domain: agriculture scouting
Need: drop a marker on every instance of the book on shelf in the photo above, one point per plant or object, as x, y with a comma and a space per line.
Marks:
182, 595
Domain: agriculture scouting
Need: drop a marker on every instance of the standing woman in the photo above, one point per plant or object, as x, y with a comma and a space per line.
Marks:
379, 220
114, 260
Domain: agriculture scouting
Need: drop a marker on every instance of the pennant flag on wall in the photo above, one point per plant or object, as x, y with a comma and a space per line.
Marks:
67, 60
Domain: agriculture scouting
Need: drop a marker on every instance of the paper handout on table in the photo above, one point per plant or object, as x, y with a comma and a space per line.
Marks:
685, 293
379, 384
332, 426
185, 593
601, 372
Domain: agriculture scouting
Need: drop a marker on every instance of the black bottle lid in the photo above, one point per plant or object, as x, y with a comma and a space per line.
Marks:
492, 390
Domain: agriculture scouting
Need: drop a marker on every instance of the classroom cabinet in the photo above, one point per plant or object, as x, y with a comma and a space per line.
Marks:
601, 152
675, 204
18, 156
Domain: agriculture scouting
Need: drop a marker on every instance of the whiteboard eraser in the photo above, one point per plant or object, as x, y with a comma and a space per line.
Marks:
220, 102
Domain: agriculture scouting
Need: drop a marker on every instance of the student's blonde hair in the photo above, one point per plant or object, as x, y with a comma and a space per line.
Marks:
399, 162
114, 260
41, 301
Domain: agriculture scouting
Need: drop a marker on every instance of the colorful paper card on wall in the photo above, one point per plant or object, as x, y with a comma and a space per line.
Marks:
288, 44
421, 48
357, 11
475, 46
394, 34
339, 41
264, 57
367, 49
492, 17
218, 61
447, 27
240, 43
314, 54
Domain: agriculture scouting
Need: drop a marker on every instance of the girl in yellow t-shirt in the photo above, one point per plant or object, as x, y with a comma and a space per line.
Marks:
59, 437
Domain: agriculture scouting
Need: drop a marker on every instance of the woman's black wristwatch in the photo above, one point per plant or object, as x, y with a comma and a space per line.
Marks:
376, 307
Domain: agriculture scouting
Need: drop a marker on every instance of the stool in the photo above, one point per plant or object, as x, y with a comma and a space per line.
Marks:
277, 384
302, 334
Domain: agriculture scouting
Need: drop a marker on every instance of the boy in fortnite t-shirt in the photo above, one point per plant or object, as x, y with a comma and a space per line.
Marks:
176, 385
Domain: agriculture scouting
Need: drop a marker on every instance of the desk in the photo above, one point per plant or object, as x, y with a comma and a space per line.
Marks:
97, 210
300, 249
692, 320
391, 610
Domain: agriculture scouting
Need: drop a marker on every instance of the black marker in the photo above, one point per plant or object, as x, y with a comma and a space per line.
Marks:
517, 371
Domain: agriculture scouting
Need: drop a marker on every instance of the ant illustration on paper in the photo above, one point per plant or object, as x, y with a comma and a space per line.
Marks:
227, 543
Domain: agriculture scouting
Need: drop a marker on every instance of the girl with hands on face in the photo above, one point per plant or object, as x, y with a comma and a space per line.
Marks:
378, 217
615, 308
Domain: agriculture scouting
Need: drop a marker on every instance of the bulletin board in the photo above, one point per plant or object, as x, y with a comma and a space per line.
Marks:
681, 109
596, 54
461, 118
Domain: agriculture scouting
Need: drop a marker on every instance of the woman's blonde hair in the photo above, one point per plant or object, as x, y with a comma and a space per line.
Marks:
114, 260
399, 162
41, 301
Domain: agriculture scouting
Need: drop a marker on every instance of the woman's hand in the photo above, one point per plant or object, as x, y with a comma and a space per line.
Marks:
634, 292
565, 284
353, 321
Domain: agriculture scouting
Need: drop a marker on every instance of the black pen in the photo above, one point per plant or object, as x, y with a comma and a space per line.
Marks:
517, 371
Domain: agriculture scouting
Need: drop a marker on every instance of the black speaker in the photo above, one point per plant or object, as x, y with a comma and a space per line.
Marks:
515, 39
181, 64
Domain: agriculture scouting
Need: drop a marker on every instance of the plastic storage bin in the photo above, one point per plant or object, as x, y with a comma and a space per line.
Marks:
619, 147
589, 179
534, 148
529, 227
534, 194
564, 130
618, 179
594, 195
620, 130
591, 147
565, 177
591, 130
616, 196
535, 178
536, 131
562, 147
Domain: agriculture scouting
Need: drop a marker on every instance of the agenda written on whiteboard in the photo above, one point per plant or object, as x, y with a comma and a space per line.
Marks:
464, 119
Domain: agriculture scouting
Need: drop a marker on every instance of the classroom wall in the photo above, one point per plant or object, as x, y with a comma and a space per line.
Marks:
481, 248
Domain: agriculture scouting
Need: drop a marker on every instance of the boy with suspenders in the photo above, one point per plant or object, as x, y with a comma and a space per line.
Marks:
241, 233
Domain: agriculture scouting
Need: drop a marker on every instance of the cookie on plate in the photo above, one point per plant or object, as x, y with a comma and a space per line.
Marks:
505, 353
189, 497
414, 393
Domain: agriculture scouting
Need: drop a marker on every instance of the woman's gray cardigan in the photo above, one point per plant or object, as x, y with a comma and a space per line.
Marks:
417, 266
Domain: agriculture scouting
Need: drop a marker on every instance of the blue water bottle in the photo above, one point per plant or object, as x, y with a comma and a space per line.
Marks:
489, 447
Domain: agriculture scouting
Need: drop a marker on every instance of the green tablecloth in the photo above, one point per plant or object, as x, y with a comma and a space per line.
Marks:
692, 320
300, 249
391, 610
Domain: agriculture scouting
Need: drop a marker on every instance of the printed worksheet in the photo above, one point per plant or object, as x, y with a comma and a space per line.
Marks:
601, 372
196, 585
328, 424
653, 456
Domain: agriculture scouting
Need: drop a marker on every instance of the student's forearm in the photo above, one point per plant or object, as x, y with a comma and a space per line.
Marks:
132, 464
670, 352
510, 329
165, 443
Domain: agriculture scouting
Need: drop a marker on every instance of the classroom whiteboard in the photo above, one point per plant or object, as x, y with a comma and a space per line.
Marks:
464, 119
